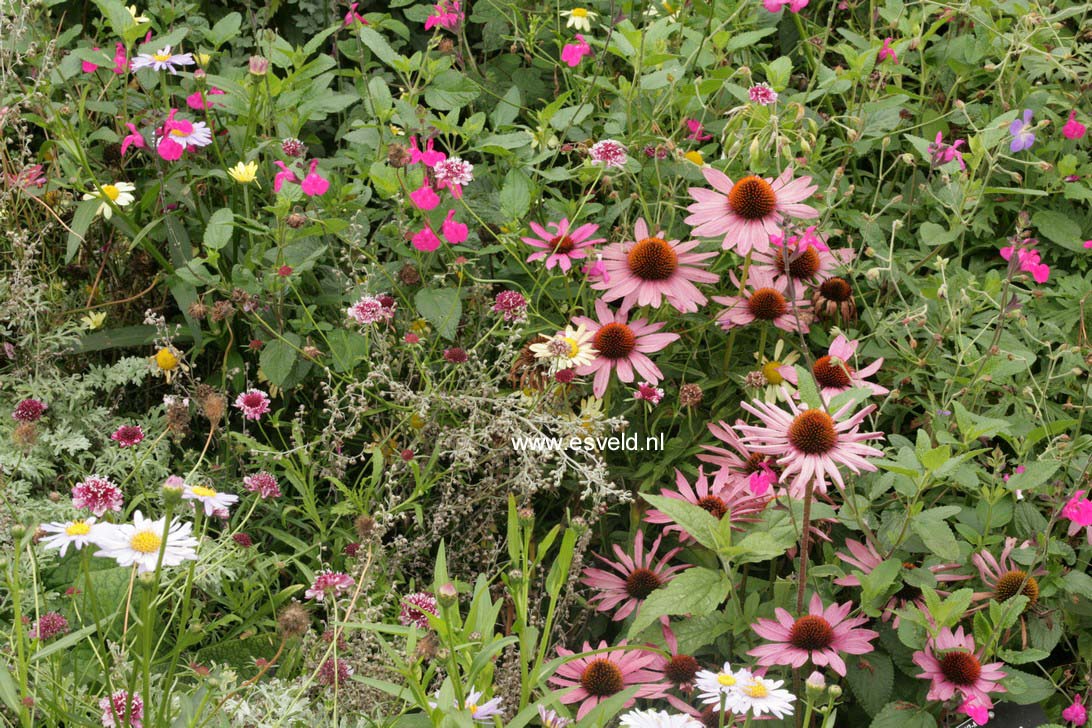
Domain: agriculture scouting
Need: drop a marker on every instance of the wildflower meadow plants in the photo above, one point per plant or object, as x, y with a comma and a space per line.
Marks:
525, 364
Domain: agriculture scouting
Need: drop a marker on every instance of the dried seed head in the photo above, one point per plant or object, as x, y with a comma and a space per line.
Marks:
293, 620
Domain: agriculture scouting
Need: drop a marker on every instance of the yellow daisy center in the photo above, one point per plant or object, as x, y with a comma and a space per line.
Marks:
580, 12
78, 528
574, 347
161, 57
472, 708
769, 370
111, 191
145, 542
166, 360
202, 492
726, 680
695, 157
757, 690
177, 132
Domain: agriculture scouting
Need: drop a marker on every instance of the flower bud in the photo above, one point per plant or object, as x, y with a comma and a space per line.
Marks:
447, 594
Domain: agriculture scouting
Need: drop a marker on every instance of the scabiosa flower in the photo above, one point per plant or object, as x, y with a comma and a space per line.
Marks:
415, 609
447, 14
763, 299
262, 483
120, 193
730, 497
210, 498
1022, 135
650, 268
140, 542
1073, 129
597, 677
453, 173
636, 577
162, 60
609, 153
480, 712
372, 310
455, 355
810, 443
649, 392
941, 153
567, 349
76, 533
253, 403
658, 719
951, 663
334, 671
1005, 577
573, 53
819, 636
622, 346
48, 626
128, 435
117, 706
242, 539
329, 583
762, 94
748, 211
97, 494
833, 373
511, 305
29, 410
293, 147
559, 244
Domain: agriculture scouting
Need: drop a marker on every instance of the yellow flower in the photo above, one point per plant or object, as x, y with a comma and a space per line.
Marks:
202, 59
137, 17
419, 327
244, 174
695, 157
166, 359
93, 321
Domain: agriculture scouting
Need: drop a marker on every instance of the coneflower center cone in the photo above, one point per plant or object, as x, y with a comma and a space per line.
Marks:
652, 259
803, 266
836, 289
961, 668
681, 669
642, 582
615, 341
602, 678
1009, 585
811, 632
562, 244
767, 304
812, 432
714, 506
752, 198
829, 372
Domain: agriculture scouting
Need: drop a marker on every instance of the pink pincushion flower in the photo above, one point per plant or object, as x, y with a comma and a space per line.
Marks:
372, 310
573, 53
622, 346
128, 435
1075, 712
117, 706
453, 173
636, 577
415, 609
819, 636
314, 184
262, 483
609, 153
48, 626
764, 299
732, 499
1005, 577
511, 305
29, 410
833, 372
599, 676
762, 94
811, 443
454, 231
1027, 258
650, 268
253, 403
747, 212
802, 260
559, 244
649, 393
98, 495
329, 583
335, 671
950, 662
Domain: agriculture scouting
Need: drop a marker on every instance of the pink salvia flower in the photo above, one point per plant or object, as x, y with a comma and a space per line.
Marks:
425, 198
98, 495
597, 270
253, 403
425, 240
454, 231
447, 14
329, 583
121, 61
623, 347
88, 66
1073, 129
132, 139
951, 663
820, 636
1028, 260
976, 711
262, 483
352, 16
573, 53
597, 677
1075, 713
429, 157
314, 184
633, 577
285, 175
198, 100
559, 244
794, 5
1078, 510
941, 153
760, 481
887, 52
697, 130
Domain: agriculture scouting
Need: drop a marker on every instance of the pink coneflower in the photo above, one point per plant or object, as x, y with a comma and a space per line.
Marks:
833, 372
762, 94
119, 705
802, 260
415, 609
262, 483
764, 300
636, 577
865, 558
48, 626
1005, 577
746, 213
254, 403
950, 661
622, 346
128, 435
810, 443
597, 677
98, 495
511, 305
453, 173
609, 153
329, 583
29, 410
650, 268
731, 498
371, 310
560, 245
819, 636
735, 466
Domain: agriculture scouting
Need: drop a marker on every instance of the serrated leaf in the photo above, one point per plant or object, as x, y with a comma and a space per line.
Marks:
1024, 688
450, 90
442, 308
695, 520
1078, 582
805, 383
871, 677
515, 195
903, 715
220, 226
277, 359
1058, 227
378, 45
1035, 473
1022, 657
696, 591
225, 29
937, 536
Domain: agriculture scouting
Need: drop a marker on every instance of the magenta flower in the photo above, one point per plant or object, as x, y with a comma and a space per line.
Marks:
1073, 129
599, 676
609, 153
636, 577
1022, 132
415, 609
453, 173
649, 269
48, 626
941, 153
425, 198
511, 305
1075, 713
98, 495
735, 466
117, 706
746, 213
314, 184
1079, 513
833, 373
121, 61
178, 135
262, 483
335, 671
573, 53
447, 14
285, 175
329, 583
29, 410
887, 52
88, 66
1027, 259
198, 100
454, 231
254, 403
764, 300
810, 443
762, 94
622, 346
649, 392
425, 240
429, 157
819, 636
1005, 577
696, 130
352, 16
128, 435
794, 5
975, 710
597, 270
134, 138
802, 260
733, 499
32, 175
950, 661
560, 245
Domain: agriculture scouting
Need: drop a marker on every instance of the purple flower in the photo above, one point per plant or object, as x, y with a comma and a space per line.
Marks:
1022, 135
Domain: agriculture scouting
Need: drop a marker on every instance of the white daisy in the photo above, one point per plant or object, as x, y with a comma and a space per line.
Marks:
139, 543
658, 719
162, 60
759, 695
76, 533
567, 349
579, 18
713, 687
120, 193
210, 498
190, 133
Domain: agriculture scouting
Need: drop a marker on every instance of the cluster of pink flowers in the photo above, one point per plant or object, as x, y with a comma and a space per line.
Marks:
1027, 259
118, 706
511, 305
29, 410
373, 309
329, 583
446, 14
121, 61
441, 173
98, 495
262, 483
128, 435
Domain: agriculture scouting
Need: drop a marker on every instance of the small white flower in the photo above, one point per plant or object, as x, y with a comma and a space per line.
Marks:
162, 60
579, 18
140, 542
658, 719
120, 193
759, 695
76, 533
723, 685
210, 498
567, 349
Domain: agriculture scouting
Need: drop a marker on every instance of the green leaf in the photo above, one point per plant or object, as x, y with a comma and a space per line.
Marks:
693, 519
1024, 688
938, 537
347, 349
875, 584
903, 715
450, 90
442, 308
778, 72
225, 29
1058, 227
871, 677
85, 215
515, 195
219, 229
975, 426
806, 384
1079, 583
378, 45
115, 13
1035, 473
1022, 657
277, 359
696, 591
506, 109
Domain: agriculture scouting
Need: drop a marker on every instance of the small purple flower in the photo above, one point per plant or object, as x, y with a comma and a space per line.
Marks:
1022, 135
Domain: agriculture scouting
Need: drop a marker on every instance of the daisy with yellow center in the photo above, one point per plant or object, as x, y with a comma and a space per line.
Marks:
76, 533
213, 501
579, 18
758, 696
168, 362
772, 386
119, 194
141, 542
567, 349
244, 174
719, 688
